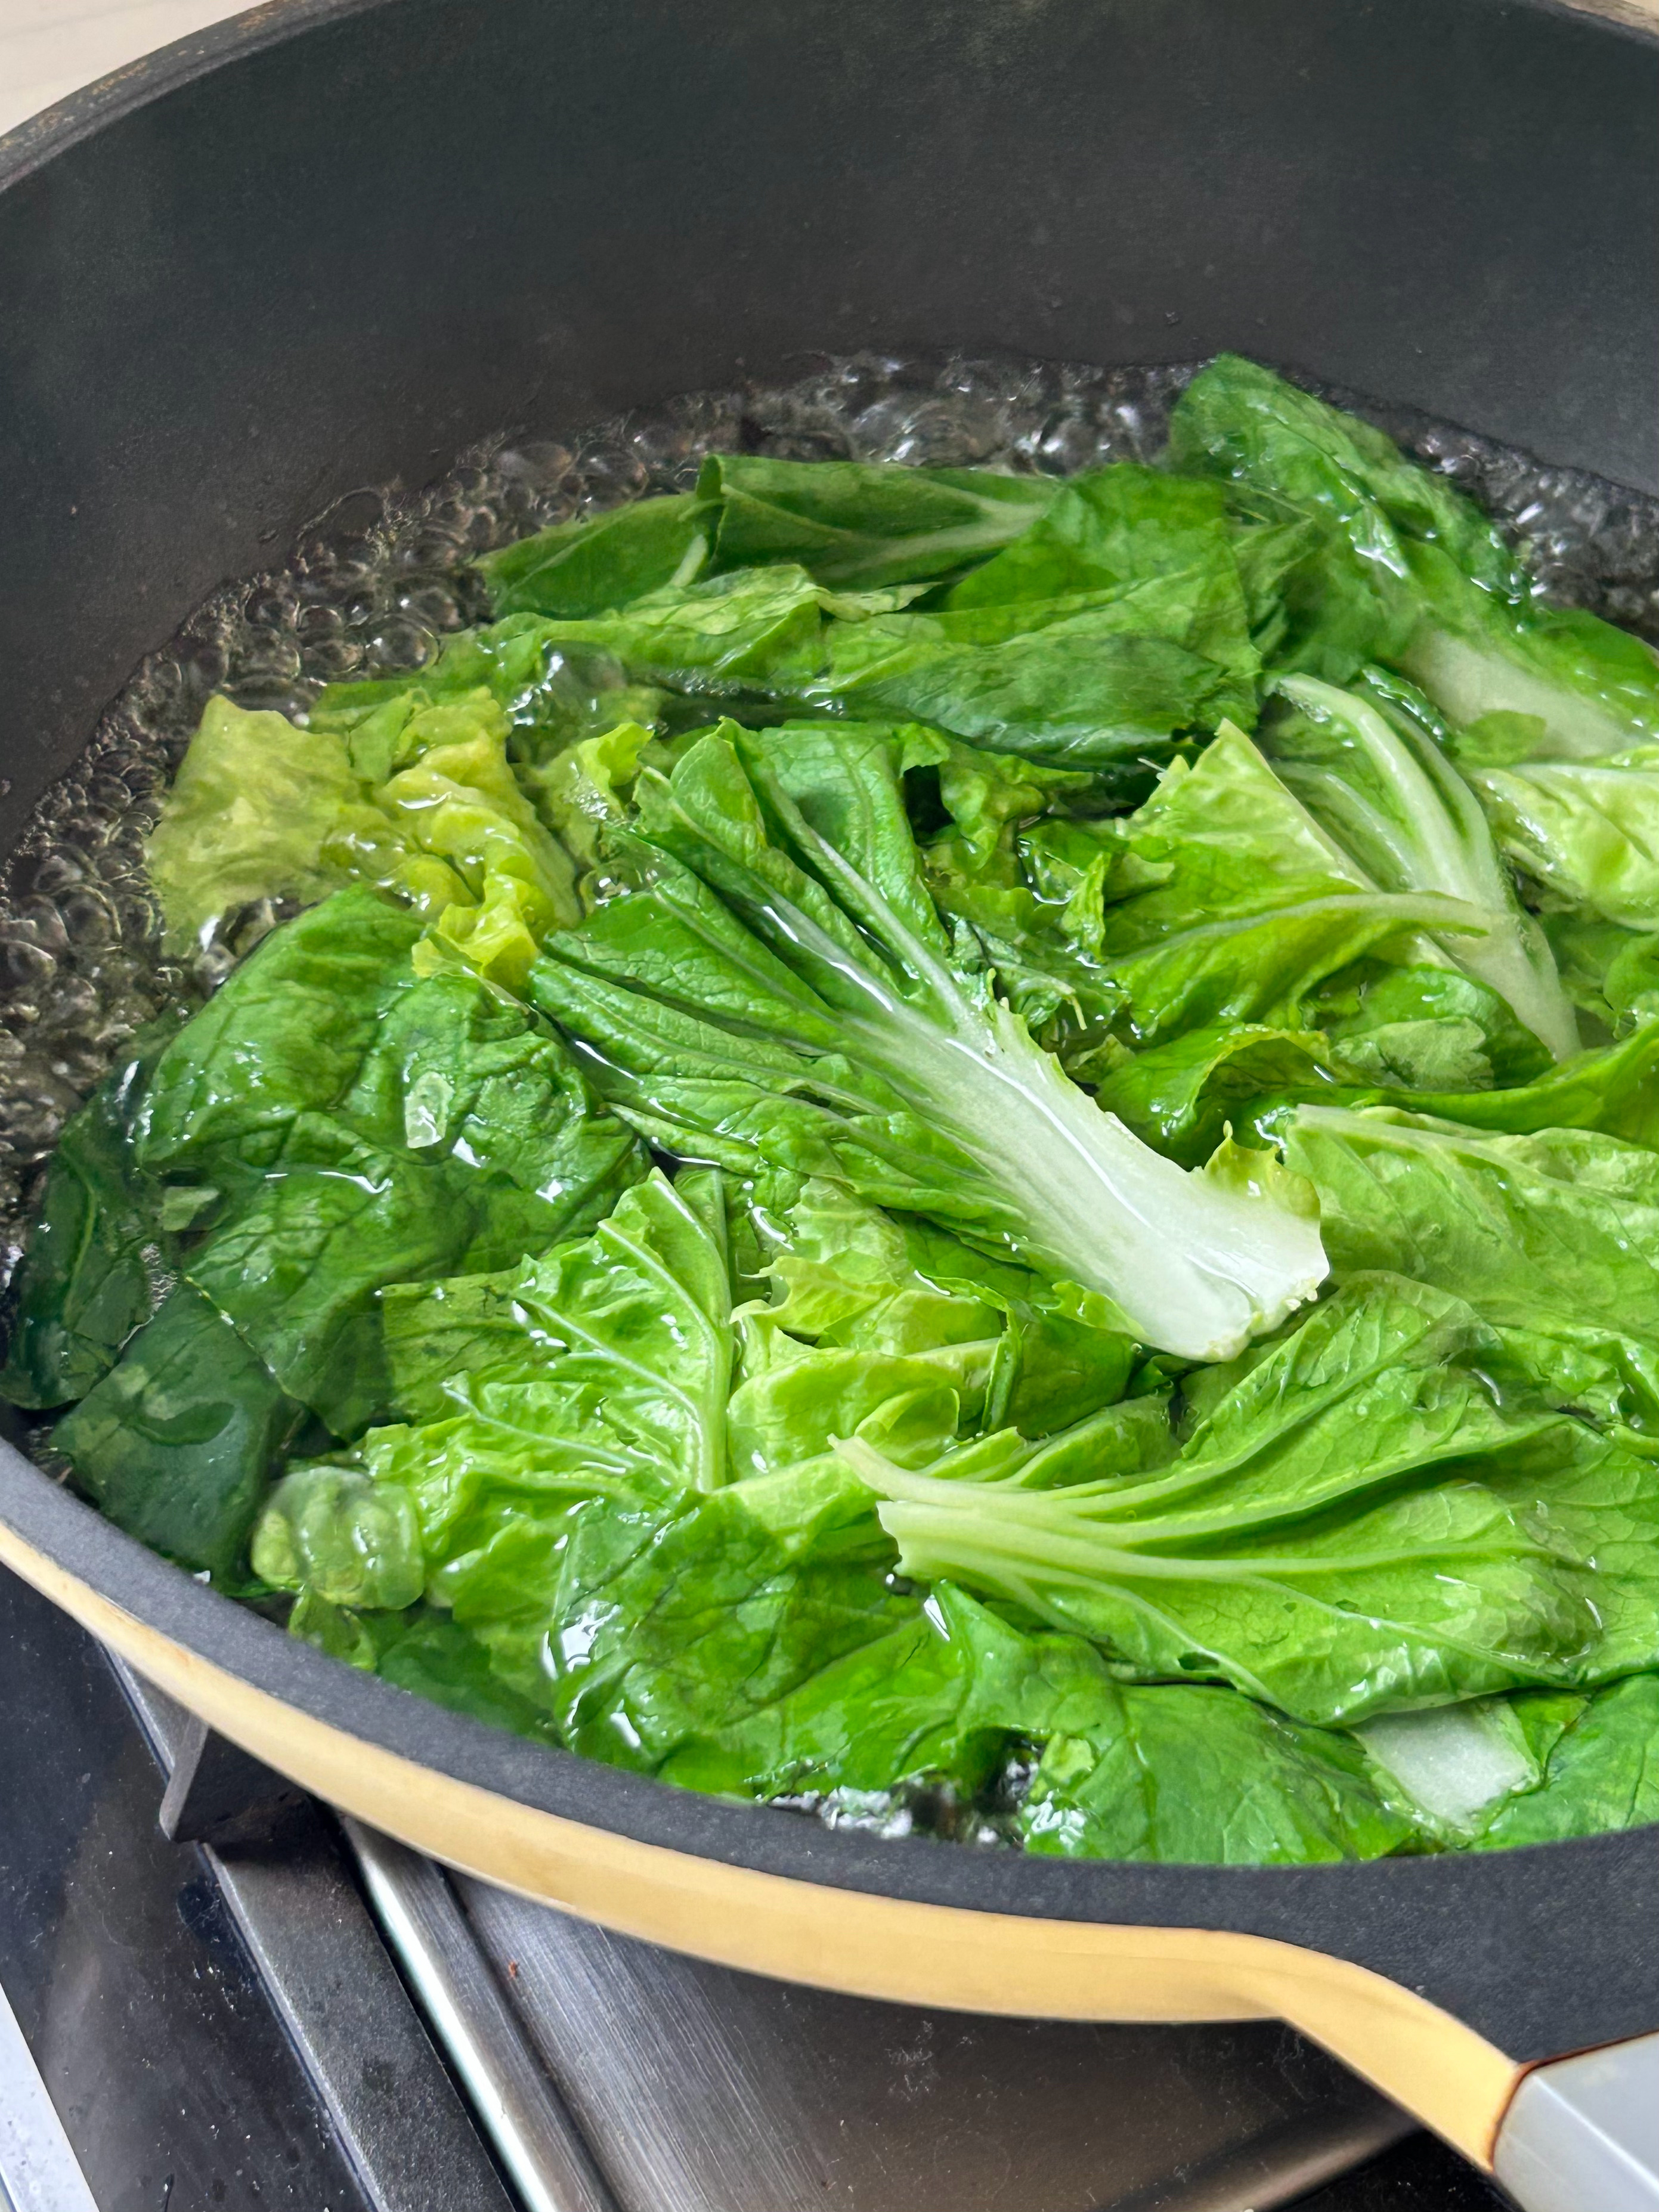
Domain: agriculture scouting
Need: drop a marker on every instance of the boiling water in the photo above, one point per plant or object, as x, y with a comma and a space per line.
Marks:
375, 583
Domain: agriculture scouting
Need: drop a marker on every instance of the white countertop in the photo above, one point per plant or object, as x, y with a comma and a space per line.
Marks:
48, 48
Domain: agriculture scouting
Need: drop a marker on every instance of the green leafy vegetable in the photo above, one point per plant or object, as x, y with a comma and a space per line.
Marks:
587, 567
859, 525
328, 1125
1191, 1772
178, 1441
1088, 681
1289, 457
602, 1367
95, 1269
1370, 772
957, 1427
1228, 905
906, 1336
904, 1692
353, 1124
1589, 830
1553, 1236
1593, 688
779, 992
420, 798
1406, 570
1429, 1025
1121, 524
1603, 1772
253, 813
750, 629
1615, 1090
1357, 1524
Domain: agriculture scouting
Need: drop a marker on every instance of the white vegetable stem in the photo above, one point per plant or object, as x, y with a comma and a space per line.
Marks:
1197, 1267
1430, 835
1197, 1263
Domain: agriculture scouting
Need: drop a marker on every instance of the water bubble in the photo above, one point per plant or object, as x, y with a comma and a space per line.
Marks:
434, 606
396, 645
86, 916
25, 966
610, 470
50, 873
1066, 443
331, 658
956, 431
542, 465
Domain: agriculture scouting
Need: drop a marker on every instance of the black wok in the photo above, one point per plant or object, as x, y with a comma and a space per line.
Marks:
332, 242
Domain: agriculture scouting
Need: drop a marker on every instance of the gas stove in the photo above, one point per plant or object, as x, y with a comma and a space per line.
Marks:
221, 1999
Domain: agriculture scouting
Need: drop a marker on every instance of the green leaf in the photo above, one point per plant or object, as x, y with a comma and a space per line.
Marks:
676, 1635
860, 524
1356, 1525
356, 1127
603, 1365
729, 1656
1116, 525
1289, 457
586, 567
1603, 1773
1085, 682
473, 852
1498, 740
257, 810
1553, 1236
1367, 766
433, 1656
327, 1018
1595, 688
1220, 902
1268, 556
288, 1031
1411, 1025
1587, 951
1030, 882
1191, 1773
419, 798
97, 1264
327, 1124
1240, 421
1265, 969
332, 1532
583, 791
178, 1443
1615, 1090
1222, 836
902, 1333
1182, 1095
1587, 830
296, 1263
722, 634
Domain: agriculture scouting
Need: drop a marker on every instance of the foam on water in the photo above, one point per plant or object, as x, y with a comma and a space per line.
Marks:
375, 583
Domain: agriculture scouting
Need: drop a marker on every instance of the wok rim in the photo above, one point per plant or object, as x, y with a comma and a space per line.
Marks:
759, 1887
49, 1519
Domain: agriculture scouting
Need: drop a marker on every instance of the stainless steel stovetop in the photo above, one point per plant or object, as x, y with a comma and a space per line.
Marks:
273, 2011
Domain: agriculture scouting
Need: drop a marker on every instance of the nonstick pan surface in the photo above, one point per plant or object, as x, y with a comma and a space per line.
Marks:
332, 243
